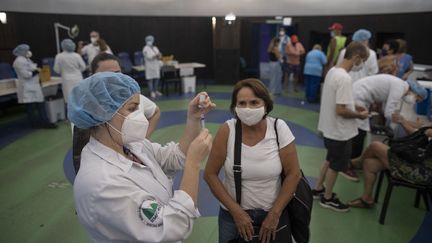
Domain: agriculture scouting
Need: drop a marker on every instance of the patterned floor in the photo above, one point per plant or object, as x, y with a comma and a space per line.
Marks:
36, 202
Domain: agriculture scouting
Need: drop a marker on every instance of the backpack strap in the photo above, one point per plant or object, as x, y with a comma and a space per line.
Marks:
275, 128
237, 160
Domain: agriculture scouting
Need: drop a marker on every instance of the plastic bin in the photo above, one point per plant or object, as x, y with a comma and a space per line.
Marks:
188, 84
55, 108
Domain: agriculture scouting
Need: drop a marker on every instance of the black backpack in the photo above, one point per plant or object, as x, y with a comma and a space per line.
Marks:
299, 209
414, 148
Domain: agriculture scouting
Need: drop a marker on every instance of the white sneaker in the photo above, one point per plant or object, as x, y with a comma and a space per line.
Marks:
158, 93
153, 94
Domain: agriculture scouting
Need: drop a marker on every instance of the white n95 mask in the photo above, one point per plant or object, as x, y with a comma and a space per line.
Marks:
250, 116
93, 40
134, 128
29, 54
357, 68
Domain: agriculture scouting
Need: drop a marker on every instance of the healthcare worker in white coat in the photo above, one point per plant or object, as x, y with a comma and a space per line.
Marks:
70, 66
152, 62
123, 191
29, 90
370, 66
388, 90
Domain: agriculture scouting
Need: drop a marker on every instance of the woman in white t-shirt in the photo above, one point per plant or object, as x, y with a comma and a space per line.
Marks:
263, 197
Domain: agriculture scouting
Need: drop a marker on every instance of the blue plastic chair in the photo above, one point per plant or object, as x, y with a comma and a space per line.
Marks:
6, 71
125, 62
138, 58
50, 62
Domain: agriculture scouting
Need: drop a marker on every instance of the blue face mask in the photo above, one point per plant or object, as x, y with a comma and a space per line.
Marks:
332, 34
149, 43
384, 52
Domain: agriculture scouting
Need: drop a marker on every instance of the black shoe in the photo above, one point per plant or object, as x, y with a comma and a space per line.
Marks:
316, 194
333, 203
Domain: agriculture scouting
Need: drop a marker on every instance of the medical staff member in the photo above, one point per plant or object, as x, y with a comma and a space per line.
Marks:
92, 49
152, 62
370, 66
122, 191
105, 62
70, 66
29, 90
388, 90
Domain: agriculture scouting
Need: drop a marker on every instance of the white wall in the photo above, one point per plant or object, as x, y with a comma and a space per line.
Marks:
217, 7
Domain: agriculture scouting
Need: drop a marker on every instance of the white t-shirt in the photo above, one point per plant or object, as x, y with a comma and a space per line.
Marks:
382, 88
261, 166
337, 90
370, 66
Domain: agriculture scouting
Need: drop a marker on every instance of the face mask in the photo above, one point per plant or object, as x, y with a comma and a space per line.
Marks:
384, 52
93, 40
149, 43
250, 116
358, 67
410, 99
29, 54
281, 33
134, 128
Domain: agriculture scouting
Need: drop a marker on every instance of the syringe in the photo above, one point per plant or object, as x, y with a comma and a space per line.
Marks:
202, 118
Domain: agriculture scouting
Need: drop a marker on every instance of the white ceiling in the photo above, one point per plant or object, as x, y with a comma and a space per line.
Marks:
217, 7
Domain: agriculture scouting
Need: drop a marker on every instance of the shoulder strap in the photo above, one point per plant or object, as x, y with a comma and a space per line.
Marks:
275, 128
237, 160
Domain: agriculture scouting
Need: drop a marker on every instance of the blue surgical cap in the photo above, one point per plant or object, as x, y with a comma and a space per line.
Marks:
149, 38
21, 50
361, 35
417, 88
96, 99
68, 45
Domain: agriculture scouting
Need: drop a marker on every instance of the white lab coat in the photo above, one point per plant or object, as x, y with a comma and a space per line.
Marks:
151, 62
112, 194
370, 66
382, 88
28, 86
70, 66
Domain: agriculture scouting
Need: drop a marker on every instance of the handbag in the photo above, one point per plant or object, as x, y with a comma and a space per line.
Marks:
300, 207
298, 211
414, 148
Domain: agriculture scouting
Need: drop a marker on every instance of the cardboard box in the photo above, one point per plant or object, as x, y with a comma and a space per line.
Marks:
45, 74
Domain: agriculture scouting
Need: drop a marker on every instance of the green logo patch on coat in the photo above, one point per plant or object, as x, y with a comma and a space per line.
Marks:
150, 212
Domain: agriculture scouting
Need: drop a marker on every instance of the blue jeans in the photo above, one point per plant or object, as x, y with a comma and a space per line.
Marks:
153, 84
228, 229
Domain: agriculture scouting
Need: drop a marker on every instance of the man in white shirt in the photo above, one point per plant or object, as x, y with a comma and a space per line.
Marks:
370, 66
337, 123
92, 49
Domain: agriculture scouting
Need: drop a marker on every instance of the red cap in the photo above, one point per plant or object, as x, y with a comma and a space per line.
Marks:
336, 26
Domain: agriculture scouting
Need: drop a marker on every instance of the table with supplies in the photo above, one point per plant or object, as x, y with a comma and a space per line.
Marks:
186, 72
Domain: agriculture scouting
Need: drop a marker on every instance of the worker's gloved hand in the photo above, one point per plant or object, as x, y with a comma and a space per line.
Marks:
35, 72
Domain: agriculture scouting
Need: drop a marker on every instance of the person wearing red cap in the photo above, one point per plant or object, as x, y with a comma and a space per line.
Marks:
293, 51
337, 42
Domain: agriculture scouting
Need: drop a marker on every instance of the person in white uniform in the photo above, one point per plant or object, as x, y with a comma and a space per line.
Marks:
385, 89
152, 62
123, 191
105, 62
29, 90
92, 49
70, 66
370, 66
263, 196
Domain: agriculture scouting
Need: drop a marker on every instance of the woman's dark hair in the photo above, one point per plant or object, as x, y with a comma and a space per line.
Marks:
258, 88
393, 45
100, 58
